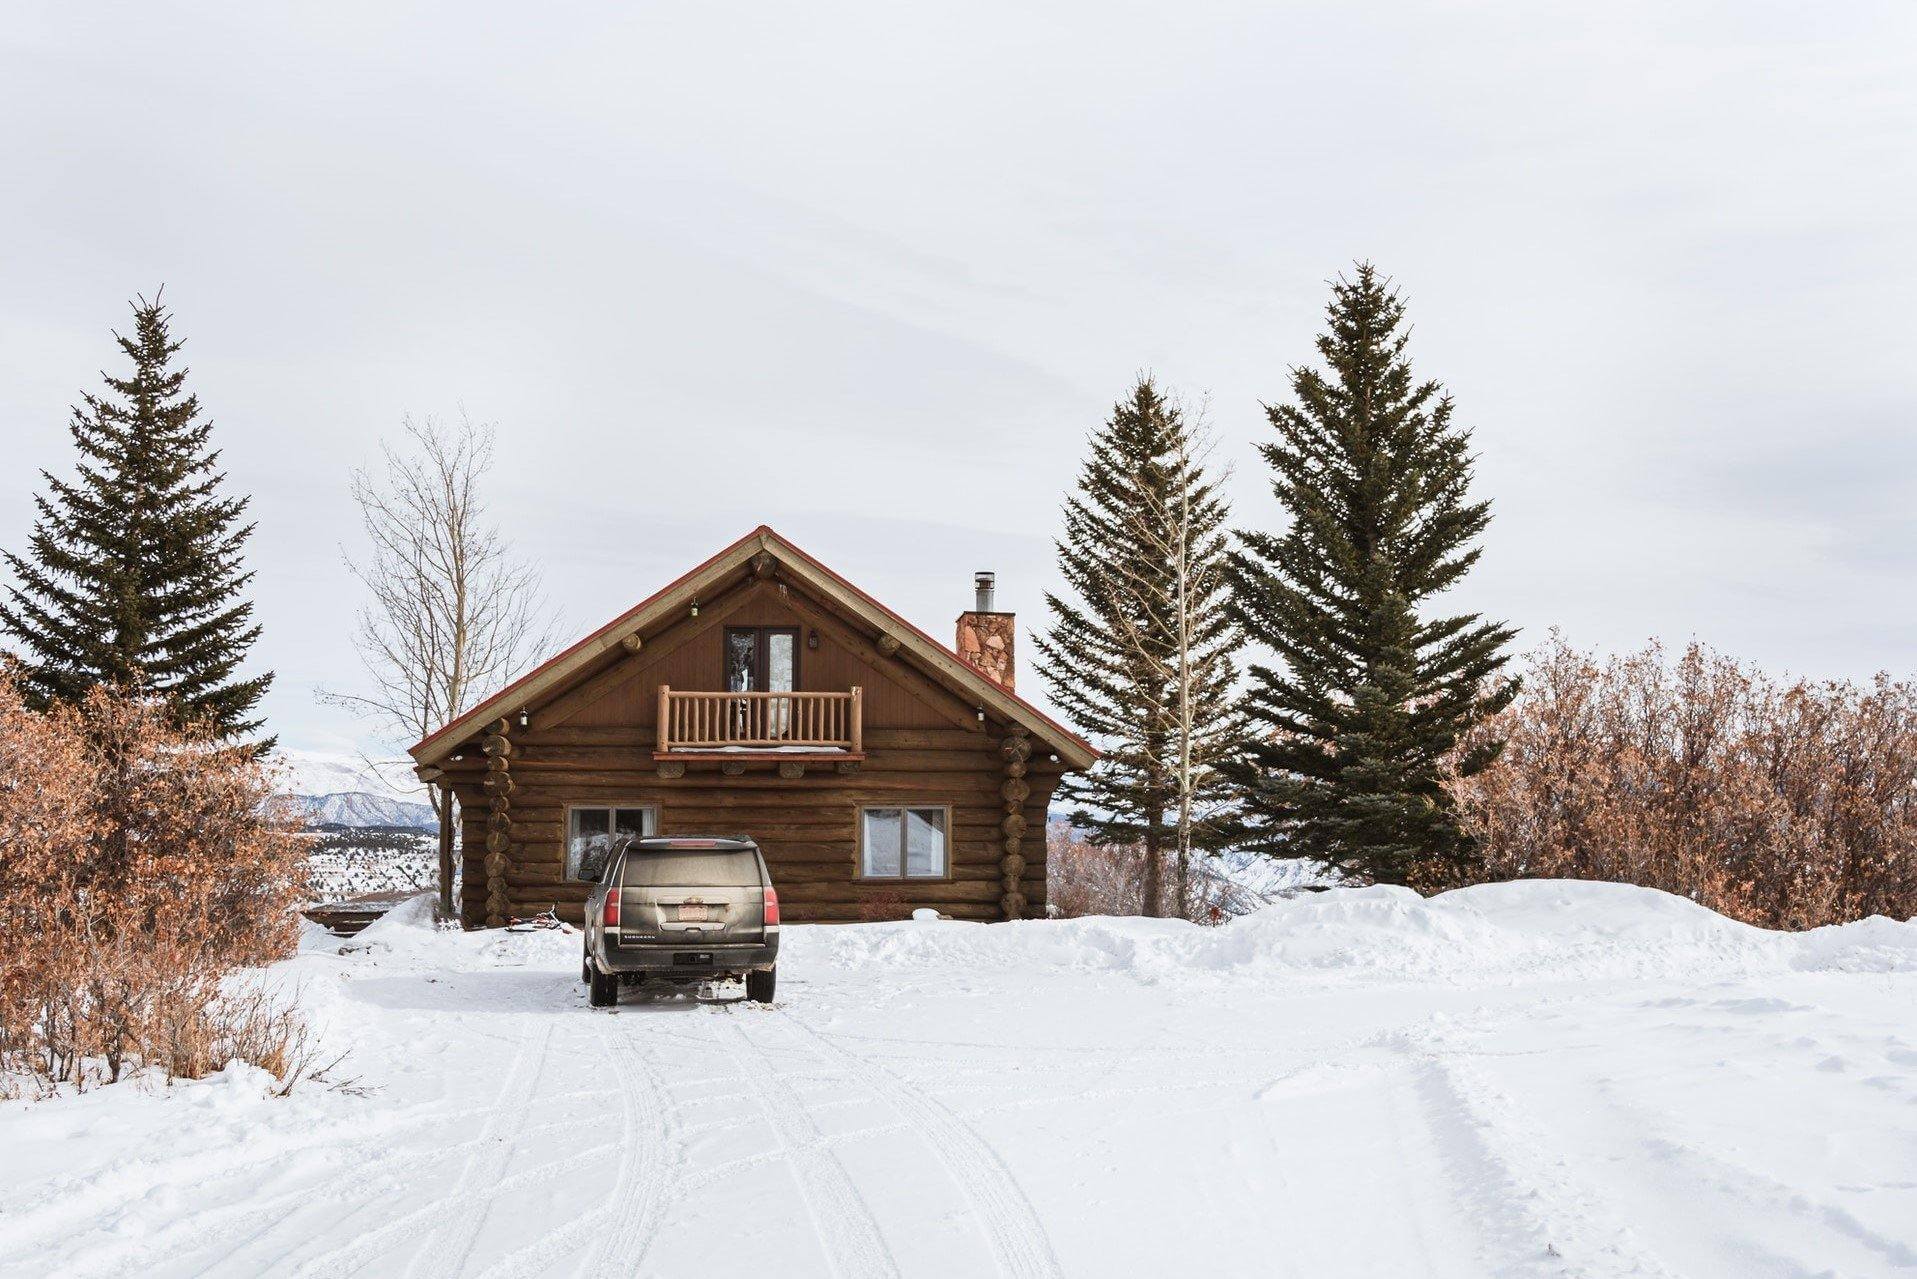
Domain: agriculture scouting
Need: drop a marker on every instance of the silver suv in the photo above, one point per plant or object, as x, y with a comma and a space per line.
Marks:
682, 910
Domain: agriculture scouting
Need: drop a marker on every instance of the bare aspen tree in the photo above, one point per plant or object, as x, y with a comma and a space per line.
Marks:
1138, 657
454, 614
1168, 623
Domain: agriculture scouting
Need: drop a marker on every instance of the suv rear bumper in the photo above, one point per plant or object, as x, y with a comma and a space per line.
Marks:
691, 960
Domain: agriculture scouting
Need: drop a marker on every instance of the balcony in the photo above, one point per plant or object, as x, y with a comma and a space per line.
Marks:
772, 723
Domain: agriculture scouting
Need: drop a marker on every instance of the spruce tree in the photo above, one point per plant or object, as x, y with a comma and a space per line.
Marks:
1356, 729
1139, 658
133, 571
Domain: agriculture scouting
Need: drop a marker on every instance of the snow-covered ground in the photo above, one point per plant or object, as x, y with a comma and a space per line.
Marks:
1519, 1080
347, 863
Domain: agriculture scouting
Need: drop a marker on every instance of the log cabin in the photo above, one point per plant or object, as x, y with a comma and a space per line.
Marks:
761, 694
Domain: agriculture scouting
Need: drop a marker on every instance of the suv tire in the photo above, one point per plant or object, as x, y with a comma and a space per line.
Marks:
759, 985
602, 989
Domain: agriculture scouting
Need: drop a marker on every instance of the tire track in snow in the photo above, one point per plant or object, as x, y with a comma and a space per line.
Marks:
448, 1248
260, 1218
639, 1195
1542, 1221
712, 1173
60, 1210
841, 1219
641, 1178
650, 1147
1019, 1245
365, 1249
1653, 1130
491, 1160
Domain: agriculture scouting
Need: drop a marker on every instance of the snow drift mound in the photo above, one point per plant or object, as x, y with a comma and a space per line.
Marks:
408, 934
1529, 930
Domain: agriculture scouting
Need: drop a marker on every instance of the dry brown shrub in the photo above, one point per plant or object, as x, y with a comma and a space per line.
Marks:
1084, 878
139, 865
1786, 805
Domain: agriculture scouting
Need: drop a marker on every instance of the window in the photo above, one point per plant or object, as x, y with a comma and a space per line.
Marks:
902, 843
762, 659
592, 833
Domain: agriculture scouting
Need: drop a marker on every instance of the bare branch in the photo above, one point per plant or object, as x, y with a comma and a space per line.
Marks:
452, 614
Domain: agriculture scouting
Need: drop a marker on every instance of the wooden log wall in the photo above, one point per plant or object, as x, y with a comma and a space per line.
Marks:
995, 781
1013, 792
499, 822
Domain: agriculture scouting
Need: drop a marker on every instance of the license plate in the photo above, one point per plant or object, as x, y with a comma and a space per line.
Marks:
696, 915
692, 959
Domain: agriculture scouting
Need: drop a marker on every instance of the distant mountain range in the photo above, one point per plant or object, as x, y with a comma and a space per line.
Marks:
362, 808
347, 790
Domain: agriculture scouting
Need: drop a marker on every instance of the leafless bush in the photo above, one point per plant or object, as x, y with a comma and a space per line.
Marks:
1786, 805
139, 864
259, 1027
1084, 878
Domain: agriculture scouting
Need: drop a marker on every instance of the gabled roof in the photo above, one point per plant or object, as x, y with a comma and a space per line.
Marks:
936, 660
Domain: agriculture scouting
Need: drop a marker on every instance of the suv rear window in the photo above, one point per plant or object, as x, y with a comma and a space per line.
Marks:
691, 868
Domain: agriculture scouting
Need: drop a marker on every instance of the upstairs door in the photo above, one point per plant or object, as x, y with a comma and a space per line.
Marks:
762, 659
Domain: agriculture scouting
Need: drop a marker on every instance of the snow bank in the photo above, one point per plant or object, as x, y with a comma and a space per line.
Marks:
1529, 930
409, 935
407, 928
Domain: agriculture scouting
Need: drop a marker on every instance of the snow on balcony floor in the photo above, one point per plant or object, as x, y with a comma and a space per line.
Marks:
757, 750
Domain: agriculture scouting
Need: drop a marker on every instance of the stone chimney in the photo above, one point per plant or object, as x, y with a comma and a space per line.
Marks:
985, 634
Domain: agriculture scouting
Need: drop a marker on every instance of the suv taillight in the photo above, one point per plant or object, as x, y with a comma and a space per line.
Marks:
771, 906
610, 916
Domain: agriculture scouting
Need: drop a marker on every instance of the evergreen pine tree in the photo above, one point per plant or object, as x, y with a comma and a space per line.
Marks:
1355, 731
1140, 659
133, 572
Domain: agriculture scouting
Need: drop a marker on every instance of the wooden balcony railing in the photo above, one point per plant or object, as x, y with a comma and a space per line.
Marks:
760, 721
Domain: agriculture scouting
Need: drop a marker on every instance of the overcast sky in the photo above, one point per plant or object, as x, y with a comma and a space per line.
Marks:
869, 273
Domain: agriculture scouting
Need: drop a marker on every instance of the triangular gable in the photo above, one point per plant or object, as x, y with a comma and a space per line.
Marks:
590, 655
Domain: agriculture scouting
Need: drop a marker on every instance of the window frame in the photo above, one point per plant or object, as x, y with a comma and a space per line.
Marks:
565, 840
761, 655
858, 852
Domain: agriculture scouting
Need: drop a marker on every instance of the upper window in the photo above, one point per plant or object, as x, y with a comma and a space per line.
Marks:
762, 659
593, 833
903, 843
